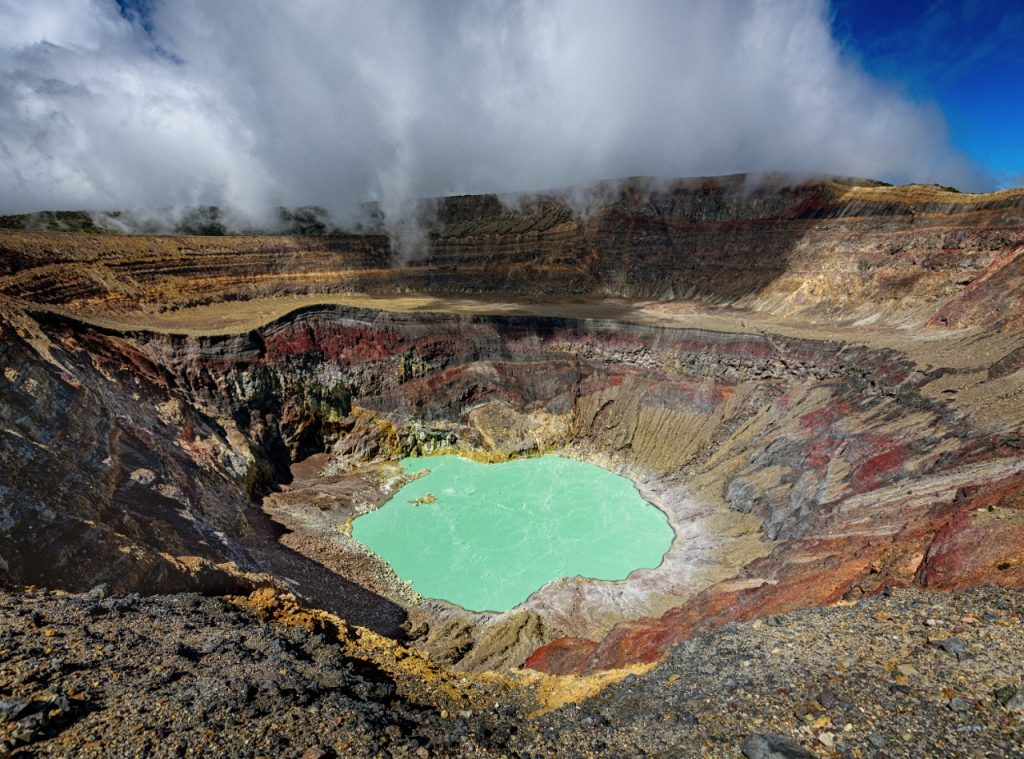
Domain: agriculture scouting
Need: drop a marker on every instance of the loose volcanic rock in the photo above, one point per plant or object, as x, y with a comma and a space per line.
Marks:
759, 746
184, 675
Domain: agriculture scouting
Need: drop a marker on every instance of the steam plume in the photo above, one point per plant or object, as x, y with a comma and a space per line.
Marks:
131, 104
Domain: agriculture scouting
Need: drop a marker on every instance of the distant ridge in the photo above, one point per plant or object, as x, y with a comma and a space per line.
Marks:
316, 221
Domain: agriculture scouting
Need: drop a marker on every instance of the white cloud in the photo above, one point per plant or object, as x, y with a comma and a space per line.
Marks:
263, 103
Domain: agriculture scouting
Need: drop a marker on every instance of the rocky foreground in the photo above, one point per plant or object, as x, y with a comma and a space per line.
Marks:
907, 674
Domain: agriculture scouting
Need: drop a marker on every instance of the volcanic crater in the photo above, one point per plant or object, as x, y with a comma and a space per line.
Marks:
818, 382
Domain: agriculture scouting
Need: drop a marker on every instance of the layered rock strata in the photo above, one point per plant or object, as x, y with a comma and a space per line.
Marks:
821, 249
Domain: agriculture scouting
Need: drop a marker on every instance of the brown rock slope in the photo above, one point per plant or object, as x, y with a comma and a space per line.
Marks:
820, 383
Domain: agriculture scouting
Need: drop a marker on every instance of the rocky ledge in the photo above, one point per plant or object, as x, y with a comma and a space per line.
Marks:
905, 674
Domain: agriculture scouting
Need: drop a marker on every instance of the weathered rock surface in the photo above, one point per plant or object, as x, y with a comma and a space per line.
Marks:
183, 675
108, 477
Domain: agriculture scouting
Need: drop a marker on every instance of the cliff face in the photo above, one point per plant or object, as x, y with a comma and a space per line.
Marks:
108, 477
826, 250
824, 397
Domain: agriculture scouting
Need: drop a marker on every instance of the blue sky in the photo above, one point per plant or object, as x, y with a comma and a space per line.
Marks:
963, 55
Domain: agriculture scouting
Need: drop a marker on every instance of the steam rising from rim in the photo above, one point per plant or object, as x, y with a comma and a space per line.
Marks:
183, 104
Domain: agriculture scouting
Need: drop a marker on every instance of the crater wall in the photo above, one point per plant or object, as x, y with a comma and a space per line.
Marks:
825, 250
795, 472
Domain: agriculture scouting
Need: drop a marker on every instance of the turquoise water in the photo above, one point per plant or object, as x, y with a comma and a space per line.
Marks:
499, 532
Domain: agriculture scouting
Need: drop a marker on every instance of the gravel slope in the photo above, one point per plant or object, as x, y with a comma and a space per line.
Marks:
909, 674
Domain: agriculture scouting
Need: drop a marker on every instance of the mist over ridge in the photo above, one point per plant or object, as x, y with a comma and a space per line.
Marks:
177, 105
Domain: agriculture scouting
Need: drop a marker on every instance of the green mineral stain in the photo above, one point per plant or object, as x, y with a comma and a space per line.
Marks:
498, 532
